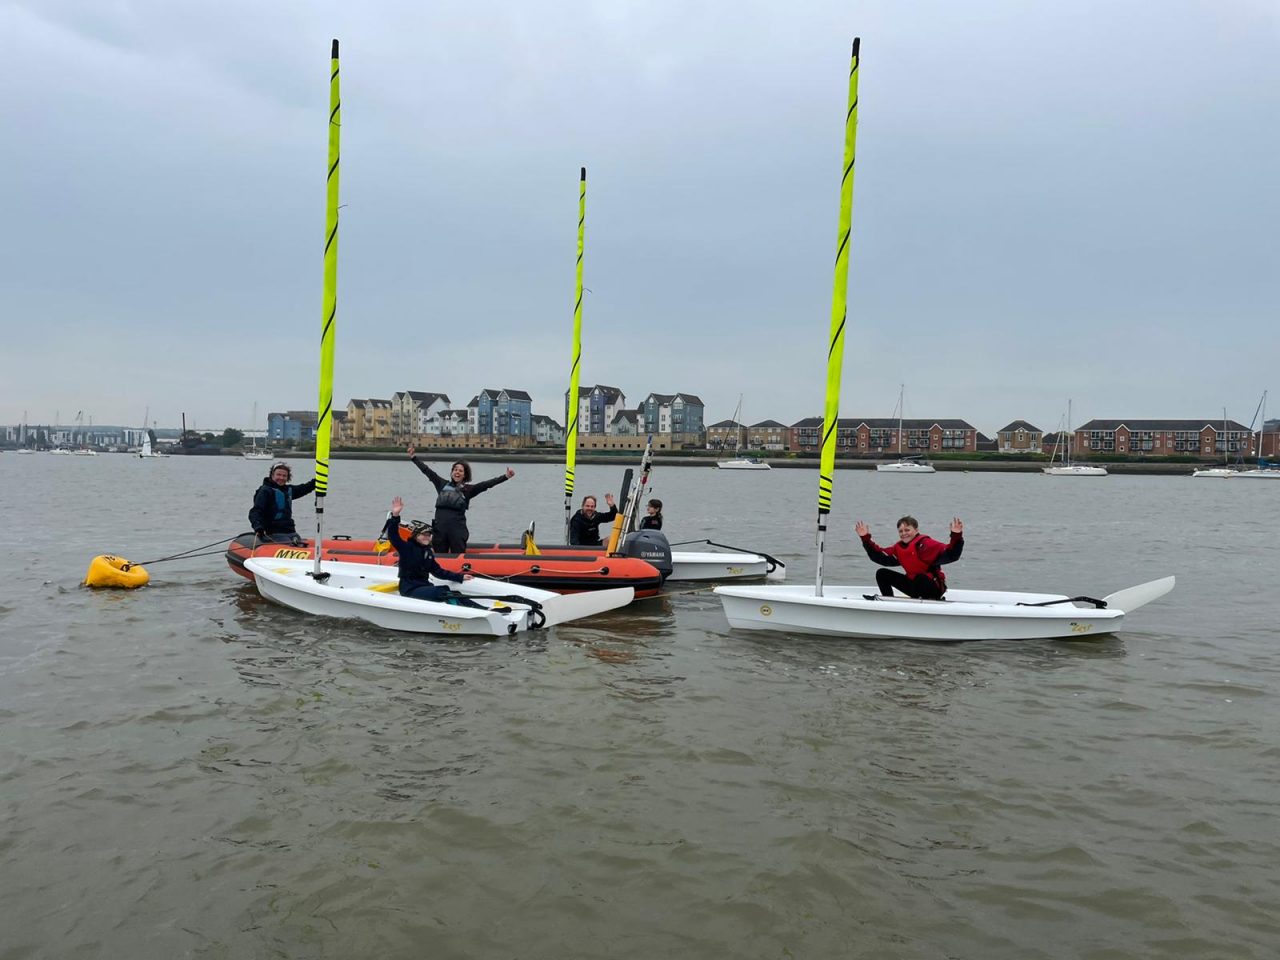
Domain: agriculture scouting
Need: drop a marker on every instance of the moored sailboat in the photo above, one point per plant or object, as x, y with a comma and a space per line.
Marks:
905, 464
738, 462
1066, 468
1265, 470
1226, 471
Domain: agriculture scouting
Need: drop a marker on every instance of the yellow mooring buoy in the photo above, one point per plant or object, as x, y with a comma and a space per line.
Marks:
109, 571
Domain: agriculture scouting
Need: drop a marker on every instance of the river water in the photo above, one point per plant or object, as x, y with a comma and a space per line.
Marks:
188, 771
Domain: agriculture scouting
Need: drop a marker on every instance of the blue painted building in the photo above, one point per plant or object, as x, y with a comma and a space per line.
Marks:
292, 426
502, 413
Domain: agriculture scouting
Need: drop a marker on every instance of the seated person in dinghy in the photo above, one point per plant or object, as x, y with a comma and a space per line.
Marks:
418, 562
920, 557
272, 512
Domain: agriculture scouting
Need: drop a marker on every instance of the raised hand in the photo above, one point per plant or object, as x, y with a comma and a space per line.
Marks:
411, 450
510, 473
396, 505
957, 526
608, 498
861, 529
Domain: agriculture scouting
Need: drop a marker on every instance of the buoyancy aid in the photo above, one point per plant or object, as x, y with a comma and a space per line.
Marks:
284, 503
451, 498
910, 555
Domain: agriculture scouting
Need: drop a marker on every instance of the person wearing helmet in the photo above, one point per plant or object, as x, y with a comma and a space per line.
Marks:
272, 513
418, 562
453, 497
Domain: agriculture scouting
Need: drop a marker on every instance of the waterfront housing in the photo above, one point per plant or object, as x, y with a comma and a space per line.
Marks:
884, 436
1164, 437
497, 418
1019, 437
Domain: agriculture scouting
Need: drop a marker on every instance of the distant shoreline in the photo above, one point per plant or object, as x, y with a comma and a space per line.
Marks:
703, 462
631, 457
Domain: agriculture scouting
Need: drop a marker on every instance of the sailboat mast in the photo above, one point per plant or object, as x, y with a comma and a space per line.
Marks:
1262, 429
902, 389
1071, 437
575, 367
839, 312
329, 309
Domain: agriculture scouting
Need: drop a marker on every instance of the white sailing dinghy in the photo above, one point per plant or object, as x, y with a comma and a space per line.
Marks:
149, 453
368, 592
700, 565
858, 611
363, 591
687, 565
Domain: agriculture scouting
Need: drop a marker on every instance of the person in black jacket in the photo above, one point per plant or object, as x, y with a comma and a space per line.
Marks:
272, 512
453, 497
653, 516
418, 562
584, 526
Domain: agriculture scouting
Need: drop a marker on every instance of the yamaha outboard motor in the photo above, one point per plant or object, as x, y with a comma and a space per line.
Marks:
650, 546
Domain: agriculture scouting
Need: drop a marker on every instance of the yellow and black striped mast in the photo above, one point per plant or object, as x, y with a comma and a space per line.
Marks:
839, 312
329, 308
575, 369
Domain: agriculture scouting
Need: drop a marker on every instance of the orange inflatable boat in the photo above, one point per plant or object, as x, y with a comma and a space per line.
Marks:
568, 571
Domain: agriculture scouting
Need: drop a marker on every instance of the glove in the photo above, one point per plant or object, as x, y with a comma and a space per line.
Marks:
262, 535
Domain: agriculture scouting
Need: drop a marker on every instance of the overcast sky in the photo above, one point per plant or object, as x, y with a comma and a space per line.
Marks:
1053, 199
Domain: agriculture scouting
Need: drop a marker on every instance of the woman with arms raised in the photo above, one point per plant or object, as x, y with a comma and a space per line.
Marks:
453, 497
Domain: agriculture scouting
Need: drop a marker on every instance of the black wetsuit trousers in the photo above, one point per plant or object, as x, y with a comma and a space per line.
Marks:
921, 587
450, 534
429, 591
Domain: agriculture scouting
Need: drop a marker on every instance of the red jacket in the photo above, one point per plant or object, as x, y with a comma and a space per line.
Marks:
922, 556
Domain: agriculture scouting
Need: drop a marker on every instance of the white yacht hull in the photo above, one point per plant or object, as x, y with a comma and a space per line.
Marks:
905, 466
742, 465
1075, 470
845, 611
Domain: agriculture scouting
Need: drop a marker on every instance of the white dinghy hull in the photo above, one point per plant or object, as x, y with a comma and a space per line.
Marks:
361, 591
694, 565
844, 611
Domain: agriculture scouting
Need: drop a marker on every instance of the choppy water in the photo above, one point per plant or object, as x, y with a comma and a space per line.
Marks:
189, 771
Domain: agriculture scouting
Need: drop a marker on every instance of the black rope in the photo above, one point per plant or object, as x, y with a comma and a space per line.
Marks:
187, 554
1100, 604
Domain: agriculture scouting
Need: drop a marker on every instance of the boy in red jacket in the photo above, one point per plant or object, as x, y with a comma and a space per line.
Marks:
920, 557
